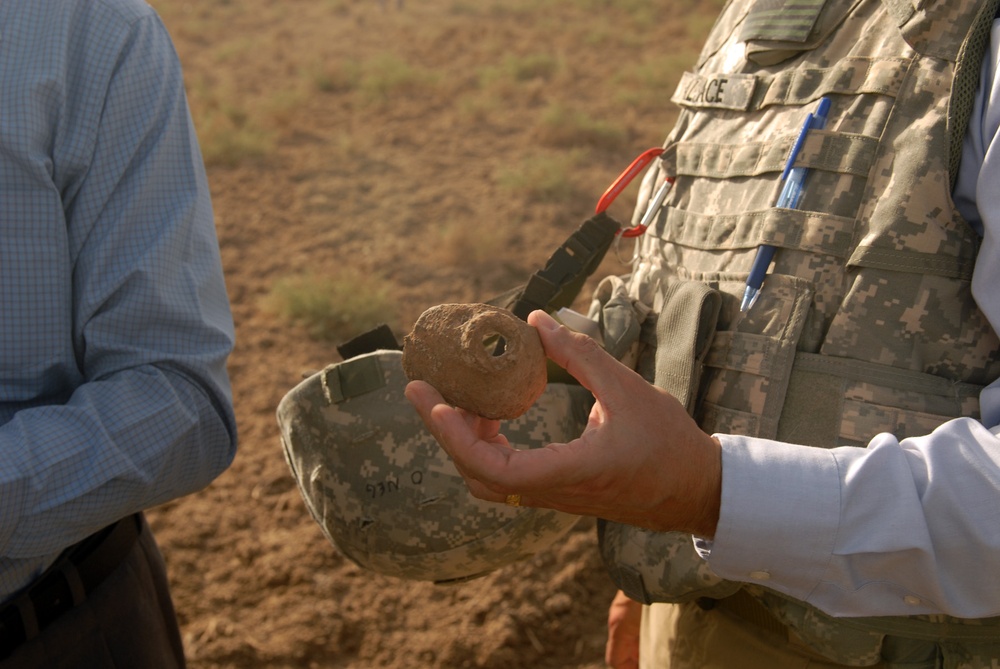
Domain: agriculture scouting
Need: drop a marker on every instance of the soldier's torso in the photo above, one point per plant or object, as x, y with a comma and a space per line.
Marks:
872, 269
865, 323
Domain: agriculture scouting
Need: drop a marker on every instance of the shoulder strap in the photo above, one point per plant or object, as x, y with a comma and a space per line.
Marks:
558, 283
969, 66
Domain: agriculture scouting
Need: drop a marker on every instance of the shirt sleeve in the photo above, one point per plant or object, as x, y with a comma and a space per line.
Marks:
901, 527
151, 418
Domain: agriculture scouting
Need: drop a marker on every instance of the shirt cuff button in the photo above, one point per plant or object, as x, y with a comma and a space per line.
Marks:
910, 600
760, 575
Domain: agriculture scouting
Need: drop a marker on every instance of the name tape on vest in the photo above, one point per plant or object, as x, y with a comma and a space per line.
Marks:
722, 91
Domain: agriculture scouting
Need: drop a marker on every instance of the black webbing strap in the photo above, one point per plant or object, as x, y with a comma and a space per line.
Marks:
378, 338
554, 286
558, 283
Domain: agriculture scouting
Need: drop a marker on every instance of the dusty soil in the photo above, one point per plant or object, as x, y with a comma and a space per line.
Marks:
404, 185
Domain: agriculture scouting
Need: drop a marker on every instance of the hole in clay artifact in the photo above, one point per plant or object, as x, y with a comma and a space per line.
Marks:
479, 357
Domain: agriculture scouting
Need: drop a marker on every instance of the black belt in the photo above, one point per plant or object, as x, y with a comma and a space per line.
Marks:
77, 572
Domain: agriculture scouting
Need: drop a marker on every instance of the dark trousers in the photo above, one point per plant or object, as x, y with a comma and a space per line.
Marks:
127, 622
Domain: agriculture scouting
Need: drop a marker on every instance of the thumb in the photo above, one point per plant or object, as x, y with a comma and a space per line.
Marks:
581, 356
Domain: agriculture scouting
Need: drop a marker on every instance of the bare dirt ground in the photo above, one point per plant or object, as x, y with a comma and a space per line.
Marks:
433, 151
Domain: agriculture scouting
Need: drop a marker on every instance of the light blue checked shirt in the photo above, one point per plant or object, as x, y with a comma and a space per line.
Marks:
114, 320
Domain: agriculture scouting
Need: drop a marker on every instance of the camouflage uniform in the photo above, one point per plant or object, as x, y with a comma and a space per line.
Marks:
866, 322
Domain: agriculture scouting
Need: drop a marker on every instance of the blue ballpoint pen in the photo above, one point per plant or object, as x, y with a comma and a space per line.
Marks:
791, 192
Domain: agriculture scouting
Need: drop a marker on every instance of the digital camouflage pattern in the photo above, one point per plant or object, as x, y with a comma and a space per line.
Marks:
866, 322
388, 497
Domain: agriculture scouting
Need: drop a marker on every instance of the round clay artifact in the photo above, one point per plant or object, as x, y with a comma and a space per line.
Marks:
481, 358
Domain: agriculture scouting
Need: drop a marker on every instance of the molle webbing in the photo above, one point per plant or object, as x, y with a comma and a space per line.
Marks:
755, 92
557, 284
826, 151
835, 402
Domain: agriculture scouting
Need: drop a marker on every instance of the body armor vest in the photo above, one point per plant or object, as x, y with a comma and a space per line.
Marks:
866, 322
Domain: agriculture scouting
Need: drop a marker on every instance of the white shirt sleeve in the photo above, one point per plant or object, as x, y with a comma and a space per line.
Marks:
898, 528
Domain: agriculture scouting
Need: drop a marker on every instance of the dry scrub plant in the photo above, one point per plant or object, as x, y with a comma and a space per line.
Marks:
331, 308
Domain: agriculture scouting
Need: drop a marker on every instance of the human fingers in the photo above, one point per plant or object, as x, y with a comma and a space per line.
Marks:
422, 395
425, 397
450, 426
624, 621
616, 468
492, 469
478, 450
584, 359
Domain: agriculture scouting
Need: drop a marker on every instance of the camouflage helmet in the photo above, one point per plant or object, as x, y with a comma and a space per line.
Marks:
388, 496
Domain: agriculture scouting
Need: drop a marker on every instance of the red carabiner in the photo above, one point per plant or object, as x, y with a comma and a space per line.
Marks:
622, 182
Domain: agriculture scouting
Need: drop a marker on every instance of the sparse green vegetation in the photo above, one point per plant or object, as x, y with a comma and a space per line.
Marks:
468, 245
232, 50
336, 77
532, 66
387, 75
227, 142
650, 83
542, 178
331, 308
564, 128
240, 120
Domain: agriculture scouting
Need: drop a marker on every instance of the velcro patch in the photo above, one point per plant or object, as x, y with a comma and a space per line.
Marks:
781, 20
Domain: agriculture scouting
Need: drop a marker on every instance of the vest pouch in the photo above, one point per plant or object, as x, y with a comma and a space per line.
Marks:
619, 318
653, 566
749, 363
685, 328
735, 369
